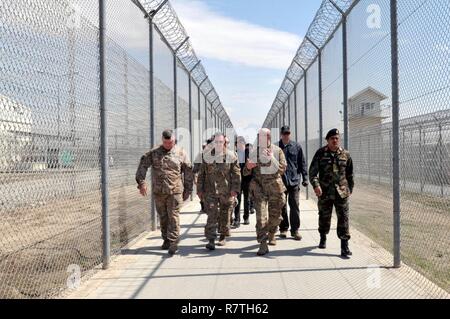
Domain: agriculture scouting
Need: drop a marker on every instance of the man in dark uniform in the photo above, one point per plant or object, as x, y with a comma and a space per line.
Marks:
296, 169
331, 176
243, 154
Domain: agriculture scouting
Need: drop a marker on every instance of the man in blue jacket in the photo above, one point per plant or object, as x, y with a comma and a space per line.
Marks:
296, 173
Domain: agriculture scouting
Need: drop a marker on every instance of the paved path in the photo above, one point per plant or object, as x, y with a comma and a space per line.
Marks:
292, 269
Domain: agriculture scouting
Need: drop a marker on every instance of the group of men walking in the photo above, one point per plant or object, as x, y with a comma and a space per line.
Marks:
269, 177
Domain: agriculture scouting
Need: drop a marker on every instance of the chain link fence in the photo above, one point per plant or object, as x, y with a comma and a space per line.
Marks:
342, 77
50, 132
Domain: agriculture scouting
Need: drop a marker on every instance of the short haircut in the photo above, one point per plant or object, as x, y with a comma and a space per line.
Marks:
167, 134
217, 134
240, 139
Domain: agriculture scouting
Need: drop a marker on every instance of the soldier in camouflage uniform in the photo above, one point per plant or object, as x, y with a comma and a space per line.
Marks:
266, 165
196, 168
169, 165
218, 184
331, 175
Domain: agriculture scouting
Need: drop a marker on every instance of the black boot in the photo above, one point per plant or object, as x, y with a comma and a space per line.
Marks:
211, 245
345, 251
173, 249
263, 248
166, 245
323, 241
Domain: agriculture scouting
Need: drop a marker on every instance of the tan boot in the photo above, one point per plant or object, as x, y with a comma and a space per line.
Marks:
297, 236
272, 240
222, 241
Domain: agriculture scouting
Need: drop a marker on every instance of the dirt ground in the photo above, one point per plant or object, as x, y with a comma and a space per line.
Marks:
39, 243
425, 227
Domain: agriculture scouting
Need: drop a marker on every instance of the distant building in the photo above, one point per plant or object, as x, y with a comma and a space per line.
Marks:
365, 109
15, 134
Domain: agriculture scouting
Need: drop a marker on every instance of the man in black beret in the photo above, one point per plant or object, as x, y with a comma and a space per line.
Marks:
331, 176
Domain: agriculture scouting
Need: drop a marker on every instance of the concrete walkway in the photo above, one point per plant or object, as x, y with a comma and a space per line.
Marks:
291, 270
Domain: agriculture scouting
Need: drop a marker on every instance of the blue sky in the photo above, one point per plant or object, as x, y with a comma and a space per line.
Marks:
246, 47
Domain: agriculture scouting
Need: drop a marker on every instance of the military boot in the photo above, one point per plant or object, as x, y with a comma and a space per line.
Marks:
211, 245
173, 249
166, 245
263, 248
323, 241
283, 234
345, 250
272, 240
222, 241
297, 236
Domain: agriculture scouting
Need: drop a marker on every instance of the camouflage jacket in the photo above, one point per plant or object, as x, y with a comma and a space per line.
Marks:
220, 178
168, 170
268, 174
332, 172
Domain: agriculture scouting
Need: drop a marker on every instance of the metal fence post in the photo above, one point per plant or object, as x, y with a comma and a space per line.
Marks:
421, 159
175, 80
289, 110
295, 113
153, 217
206, 112
305, 73
395, 132
441, 158
175, 90
106, 245
320, 98
199, 116
345, 80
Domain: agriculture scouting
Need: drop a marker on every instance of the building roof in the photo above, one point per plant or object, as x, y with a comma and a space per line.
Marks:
367, 90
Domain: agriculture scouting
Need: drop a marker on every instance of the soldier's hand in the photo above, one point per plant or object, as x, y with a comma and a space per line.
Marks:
143, 190
318, 191
250, 165
234, 194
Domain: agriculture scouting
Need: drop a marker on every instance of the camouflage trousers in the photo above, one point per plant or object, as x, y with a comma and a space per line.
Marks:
218, 209
168, 208
268, 214
342, 211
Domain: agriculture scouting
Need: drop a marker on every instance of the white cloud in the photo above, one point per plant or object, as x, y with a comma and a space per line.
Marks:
219, 37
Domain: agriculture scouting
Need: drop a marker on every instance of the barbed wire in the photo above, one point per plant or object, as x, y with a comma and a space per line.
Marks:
328, 18
168, 24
